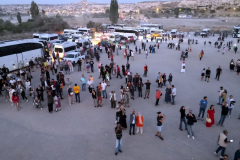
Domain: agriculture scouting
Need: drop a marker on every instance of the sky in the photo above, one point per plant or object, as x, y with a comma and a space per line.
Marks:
2, 2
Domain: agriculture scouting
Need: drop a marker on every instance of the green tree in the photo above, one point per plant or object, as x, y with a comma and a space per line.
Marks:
176, 12
34, 10
91, 24
58, 16
114, 11
19, 18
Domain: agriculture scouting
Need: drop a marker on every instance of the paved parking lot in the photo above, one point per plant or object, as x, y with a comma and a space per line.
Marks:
84, 132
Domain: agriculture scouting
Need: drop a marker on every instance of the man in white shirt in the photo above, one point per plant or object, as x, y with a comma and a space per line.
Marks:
173, 94
12, 81
220, 95
104, 87
222, 142
230, 102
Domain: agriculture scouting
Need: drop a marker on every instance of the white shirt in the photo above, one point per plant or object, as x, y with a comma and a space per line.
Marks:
220, 93
12, 81
89, 83
229, 101
133, 122
132, 53
175, 91
27, 84
104, 85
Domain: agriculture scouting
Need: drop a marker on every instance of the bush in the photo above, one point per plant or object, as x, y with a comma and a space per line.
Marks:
212, 11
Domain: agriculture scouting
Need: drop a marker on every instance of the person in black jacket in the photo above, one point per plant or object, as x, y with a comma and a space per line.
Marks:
190, 121
79, 62
224, 114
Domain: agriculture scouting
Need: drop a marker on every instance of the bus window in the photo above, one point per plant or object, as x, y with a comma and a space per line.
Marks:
60, 50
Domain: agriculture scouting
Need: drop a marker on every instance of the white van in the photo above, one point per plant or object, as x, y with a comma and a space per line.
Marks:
48, 37
205, 32
64, 48
84, 42
174, 33
71, 31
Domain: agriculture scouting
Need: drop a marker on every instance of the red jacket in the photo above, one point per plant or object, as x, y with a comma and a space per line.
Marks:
118, 69
126, 73
158, 95
15, 99
145, 68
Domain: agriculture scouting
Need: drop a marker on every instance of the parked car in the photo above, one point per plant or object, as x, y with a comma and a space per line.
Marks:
73, 57
104, 43
123, 39
62, 37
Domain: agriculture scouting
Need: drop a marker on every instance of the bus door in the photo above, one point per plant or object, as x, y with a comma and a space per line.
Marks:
19, 60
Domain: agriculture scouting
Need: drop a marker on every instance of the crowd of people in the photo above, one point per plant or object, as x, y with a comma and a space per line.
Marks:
53, 88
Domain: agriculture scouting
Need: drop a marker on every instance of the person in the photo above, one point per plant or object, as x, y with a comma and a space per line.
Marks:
224, 96
15, 100
90, 85
183, 67
132, 122
168, 94
6, 91
146, 53
79, 62
147, 91
123, 117
158, 96
183, 117
237, 155
203, 105
210, 115
113, 99
220, 96
83, 80
160, 120
94, 97
200, 55
170, 78
57, 102
222, 142
230, 102
232, 65
70, 95
207, 75
145, 71
37, 102
99, 95
139, 123
224, 114
139, 86
50, 101
76, 90
173, 94
126, 97
118, 131
118, 72
218, 72
202, 74
104, 87
191, 119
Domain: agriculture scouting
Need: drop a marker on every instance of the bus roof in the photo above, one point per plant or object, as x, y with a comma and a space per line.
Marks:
48, 35
66, 44
83, 29
15, 42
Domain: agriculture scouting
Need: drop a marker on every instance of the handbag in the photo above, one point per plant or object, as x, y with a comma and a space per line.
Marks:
208, 120
156, 80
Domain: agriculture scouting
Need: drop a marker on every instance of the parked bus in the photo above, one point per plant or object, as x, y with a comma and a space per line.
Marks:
174, 33
127, 32
236, 31
13, 53
157, 26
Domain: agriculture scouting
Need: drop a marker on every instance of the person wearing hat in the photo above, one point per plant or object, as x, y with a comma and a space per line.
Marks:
160, 120
222, 142
118, 132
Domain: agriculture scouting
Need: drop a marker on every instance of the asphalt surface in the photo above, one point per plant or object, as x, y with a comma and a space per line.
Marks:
84, 132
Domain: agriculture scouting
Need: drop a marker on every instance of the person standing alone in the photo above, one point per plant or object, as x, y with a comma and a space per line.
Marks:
118, 132
160, 120
218, 72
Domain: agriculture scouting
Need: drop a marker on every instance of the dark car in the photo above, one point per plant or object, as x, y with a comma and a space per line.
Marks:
62, 37
196, 33
104, 43
123, 39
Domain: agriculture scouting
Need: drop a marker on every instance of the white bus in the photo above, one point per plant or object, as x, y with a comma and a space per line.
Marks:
236, 31
86, 31
157, 26
127, 32
48, 37
13, 53
64, 48
112, 28
71, 31
174, 33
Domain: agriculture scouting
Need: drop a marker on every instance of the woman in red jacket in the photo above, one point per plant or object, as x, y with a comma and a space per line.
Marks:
15, 100
158, 96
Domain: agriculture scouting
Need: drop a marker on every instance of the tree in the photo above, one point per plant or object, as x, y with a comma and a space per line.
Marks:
91, 24
34, 10
114, 11
43, 12
19, 18
58, 16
